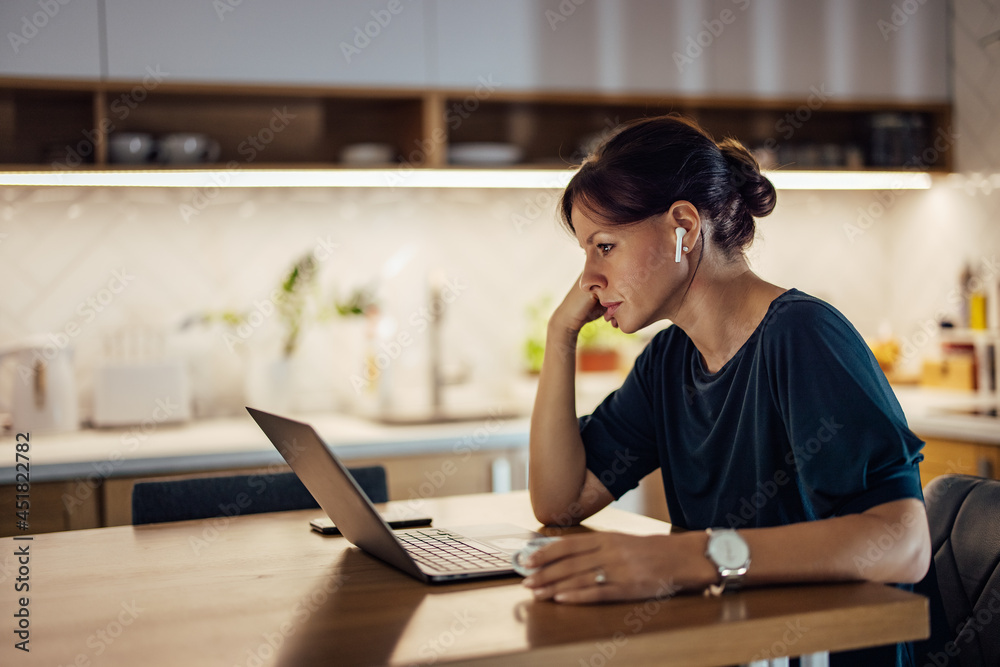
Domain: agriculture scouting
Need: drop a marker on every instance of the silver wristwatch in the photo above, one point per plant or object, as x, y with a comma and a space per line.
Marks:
730, 554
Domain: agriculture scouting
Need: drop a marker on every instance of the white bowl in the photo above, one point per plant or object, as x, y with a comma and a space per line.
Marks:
368, 153
484, 153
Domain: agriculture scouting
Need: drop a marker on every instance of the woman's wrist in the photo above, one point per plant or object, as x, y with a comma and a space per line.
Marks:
560, 341
563, 332
700, 572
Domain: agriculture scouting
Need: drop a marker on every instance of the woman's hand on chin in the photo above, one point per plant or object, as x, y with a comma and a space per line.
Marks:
605, 567
577, 308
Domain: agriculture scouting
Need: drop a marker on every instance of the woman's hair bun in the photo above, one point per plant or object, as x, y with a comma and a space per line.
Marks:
755, 189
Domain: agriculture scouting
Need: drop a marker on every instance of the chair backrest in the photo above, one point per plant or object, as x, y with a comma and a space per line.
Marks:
230, 495
964, 582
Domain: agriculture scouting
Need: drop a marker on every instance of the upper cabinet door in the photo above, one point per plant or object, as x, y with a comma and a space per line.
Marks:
546, 45
837, 49
512, 44
48, 38
363, 42
827, 49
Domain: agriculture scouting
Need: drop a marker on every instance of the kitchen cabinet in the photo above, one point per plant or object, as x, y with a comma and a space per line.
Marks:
820, 83
66, 124
51, 38
946, 457
55, 506
363, 42
529, 45
848, 49
779, 49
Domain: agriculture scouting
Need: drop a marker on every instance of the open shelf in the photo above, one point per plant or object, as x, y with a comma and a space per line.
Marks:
66, 124
836, 136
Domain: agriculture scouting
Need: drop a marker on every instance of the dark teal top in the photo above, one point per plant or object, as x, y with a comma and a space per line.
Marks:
800, 424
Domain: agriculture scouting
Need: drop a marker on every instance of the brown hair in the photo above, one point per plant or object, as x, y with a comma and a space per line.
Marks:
650, 163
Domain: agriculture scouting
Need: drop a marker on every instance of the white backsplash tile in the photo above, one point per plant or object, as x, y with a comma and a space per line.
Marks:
501, 250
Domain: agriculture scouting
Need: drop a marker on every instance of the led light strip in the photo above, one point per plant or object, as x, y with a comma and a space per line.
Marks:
421, 178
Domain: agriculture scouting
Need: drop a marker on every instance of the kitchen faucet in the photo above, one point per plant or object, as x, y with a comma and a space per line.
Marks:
438, 379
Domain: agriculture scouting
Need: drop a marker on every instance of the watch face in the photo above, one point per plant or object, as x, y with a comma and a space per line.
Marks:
728, 550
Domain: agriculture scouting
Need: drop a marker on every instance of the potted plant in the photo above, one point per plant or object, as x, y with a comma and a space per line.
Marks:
598, 347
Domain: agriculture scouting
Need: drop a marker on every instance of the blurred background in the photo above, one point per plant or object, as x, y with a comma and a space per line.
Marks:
418, 303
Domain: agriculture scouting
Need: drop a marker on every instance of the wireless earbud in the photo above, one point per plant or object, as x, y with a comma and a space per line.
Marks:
680, 236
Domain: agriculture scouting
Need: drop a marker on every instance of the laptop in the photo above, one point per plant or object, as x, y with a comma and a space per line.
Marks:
432, 555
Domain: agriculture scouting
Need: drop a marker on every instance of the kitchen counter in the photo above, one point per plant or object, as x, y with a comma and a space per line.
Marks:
930, 413
237, 443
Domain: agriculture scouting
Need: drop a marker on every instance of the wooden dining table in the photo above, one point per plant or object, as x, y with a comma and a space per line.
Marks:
264, 589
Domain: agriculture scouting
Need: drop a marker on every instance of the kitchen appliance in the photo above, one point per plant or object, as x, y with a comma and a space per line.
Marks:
44, 389
138, 382
136, 393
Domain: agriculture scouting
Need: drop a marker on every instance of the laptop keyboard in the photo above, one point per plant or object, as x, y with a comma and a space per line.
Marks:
446, 552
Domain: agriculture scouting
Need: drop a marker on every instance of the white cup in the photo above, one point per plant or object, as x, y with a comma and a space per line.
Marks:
187, 148
130, 147
520, 556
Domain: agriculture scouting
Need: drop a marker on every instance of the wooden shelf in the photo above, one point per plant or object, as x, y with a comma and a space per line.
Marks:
60, 124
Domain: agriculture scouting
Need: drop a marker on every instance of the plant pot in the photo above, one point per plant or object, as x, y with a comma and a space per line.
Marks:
597, 360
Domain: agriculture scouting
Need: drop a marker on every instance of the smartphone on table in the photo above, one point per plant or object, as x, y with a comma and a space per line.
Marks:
396, 518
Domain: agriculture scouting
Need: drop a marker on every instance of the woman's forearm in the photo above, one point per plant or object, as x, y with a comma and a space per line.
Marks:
557, 464
888, 543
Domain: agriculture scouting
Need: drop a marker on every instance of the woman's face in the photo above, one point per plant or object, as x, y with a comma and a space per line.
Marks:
630, 268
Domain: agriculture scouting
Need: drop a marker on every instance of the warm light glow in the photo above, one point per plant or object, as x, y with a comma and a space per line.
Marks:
421, 178
297, 178
850, 180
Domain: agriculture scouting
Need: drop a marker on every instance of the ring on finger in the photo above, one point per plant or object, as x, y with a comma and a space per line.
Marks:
600, 576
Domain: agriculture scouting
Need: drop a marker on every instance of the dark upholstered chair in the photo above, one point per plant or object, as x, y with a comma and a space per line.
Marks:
207, 497
964, 582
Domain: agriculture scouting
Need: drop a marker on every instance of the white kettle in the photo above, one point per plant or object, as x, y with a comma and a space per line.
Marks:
44, 396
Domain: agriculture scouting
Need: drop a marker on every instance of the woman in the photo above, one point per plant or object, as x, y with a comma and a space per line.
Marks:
762, 407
